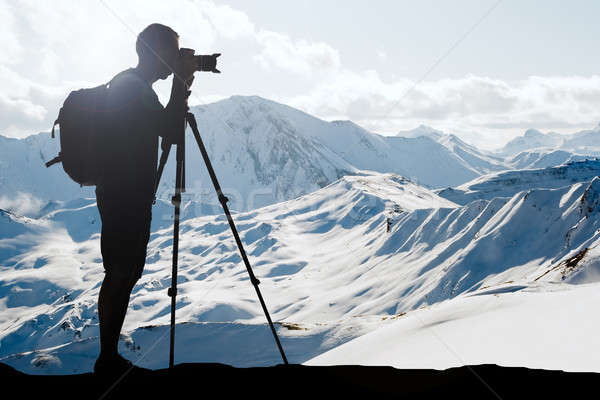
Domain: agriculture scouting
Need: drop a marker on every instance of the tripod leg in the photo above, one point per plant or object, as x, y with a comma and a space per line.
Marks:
223, 200
176, 200
161, 166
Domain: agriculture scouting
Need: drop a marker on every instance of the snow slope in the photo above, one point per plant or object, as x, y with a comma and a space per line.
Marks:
42, 309
547, 327
329, 269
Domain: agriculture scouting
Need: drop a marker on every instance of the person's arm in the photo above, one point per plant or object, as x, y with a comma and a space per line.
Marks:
172, 127
173, 116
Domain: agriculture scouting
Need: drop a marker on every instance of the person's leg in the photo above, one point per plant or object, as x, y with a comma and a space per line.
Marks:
113, 301
122, 238
124, 263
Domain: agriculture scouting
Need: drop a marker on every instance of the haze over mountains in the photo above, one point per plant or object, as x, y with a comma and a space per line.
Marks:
586, 140
352, 244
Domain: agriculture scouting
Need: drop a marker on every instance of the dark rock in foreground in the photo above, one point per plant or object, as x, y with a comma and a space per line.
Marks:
299, 381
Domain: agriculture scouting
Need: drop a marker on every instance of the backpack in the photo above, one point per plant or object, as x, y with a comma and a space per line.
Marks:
81, 120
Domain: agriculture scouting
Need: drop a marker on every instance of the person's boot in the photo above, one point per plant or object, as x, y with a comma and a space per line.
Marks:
116, 367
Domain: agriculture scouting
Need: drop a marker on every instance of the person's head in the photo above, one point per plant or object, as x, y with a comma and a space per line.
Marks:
157, 47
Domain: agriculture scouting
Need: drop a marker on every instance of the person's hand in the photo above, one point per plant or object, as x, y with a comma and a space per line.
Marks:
186, 65
188, 85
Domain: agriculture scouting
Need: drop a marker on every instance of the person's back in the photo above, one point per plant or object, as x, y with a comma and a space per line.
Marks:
125, 193
132, 136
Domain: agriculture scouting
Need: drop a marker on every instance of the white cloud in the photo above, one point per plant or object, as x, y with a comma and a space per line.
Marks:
299, 57
228, 22
50, 48
9, 43
18, 114
24, 104
53, 47
464, 105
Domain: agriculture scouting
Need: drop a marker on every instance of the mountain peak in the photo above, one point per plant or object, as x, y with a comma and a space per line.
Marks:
422, 130
533, 133
237, 100
343, 122
237, 97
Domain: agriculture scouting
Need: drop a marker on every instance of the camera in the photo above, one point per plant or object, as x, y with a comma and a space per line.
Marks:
208, 63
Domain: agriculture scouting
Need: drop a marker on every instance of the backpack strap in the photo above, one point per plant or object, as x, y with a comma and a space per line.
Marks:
55, 160
56, 122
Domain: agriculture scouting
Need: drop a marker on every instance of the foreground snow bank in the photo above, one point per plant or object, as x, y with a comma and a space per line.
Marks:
551, 327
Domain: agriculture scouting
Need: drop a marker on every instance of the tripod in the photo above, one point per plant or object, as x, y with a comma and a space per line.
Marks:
176, 201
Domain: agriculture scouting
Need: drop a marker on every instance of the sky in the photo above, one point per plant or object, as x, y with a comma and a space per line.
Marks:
485, 70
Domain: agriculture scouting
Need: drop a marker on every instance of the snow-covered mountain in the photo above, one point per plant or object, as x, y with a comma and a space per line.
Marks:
422, 130
533, 139
263, 152
480, 161
483, 162
536, 159
261, 146
329, 268
585, 142
508, 183
533, 150
343, 230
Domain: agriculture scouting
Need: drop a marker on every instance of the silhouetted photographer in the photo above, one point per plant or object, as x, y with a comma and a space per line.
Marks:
109, 138
126, 187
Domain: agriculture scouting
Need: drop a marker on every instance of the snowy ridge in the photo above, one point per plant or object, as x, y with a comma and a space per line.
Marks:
508, 183
544, 159
488, 243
